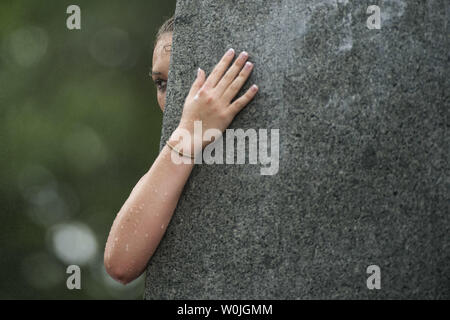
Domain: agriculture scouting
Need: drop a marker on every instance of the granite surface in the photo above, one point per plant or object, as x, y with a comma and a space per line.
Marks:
363, 179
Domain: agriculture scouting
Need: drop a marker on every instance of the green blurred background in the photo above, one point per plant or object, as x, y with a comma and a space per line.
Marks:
79, 125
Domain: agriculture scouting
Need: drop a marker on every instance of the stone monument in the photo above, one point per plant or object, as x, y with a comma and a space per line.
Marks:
358, 207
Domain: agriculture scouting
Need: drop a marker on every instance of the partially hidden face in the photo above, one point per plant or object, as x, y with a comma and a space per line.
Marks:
160, 67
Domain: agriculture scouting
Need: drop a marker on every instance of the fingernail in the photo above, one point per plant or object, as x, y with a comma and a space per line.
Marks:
230, 52
198, 72
244, 54
254, 87
248, 65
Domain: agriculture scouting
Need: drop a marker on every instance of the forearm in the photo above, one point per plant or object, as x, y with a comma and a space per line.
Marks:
142, 220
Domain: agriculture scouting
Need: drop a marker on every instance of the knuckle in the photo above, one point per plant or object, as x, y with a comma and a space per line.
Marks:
240, 62
229, 75
209, 97
235, 86
243, 75
237, 104
239, 65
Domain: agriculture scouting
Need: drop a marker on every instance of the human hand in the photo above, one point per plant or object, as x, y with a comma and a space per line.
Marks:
209, 100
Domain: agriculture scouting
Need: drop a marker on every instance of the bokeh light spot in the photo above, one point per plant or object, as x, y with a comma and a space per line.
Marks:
85, 150
28, 45
73, 243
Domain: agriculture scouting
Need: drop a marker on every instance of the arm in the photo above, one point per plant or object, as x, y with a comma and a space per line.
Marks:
142, 220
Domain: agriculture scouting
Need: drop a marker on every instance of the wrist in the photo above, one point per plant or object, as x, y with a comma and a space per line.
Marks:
185, 141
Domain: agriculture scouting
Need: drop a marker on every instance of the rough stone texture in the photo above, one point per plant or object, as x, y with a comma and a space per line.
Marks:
364, 155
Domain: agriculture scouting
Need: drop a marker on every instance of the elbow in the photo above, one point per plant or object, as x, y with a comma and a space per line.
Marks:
119, 271
119, 275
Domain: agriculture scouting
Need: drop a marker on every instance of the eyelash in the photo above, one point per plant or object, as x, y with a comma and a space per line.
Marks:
159, 84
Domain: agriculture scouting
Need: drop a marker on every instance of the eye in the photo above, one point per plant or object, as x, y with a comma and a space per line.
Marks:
161, 84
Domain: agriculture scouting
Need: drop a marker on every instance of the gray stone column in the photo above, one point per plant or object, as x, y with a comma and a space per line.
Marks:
363, 179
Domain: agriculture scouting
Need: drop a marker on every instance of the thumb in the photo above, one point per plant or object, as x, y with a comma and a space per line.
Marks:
198, 83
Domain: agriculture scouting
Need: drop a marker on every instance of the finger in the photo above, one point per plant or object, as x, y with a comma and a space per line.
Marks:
219, 69
231, 73
240, 103
198, 83
237, 84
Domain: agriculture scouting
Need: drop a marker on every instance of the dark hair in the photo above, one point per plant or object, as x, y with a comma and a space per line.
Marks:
166, 27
